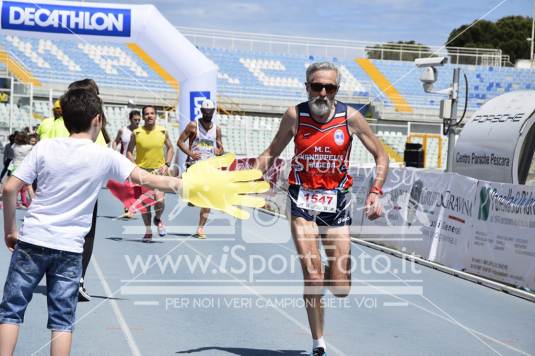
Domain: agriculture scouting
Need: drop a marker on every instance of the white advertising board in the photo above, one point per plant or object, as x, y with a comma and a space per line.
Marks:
453, 227
503, 244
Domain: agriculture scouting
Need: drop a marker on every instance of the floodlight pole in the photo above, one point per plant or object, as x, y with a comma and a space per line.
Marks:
450, 123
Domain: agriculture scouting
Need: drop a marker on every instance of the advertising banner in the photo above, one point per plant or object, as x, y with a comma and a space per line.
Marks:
422, 210
70, 19
452, 222
362, 179
389, 230
503, 244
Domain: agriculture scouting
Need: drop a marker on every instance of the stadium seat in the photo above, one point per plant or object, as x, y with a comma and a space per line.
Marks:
62, 61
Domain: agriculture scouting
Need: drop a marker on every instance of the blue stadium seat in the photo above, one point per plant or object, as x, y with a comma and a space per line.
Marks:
253, 74
484, 83
63, 61
256, 74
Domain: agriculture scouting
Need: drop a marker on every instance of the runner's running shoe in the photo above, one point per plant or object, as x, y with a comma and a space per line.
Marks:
319, 351
83, 296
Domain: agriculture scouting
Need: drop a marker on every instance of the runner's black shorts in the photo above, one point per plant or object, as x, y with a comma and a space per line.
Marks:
341, 217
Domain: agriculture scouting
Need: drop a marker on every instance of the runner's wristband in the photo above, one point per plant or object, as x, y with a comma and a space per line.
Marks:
376, 190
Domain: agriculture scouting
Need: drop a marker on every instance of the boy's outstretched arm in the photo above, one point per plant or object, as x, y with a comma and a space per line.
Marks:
163, 183
207, 185
9, 197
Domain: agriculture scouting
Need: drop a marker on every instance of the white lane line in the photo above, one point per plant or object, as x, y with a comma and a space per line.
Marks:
395, 304
129, 281
118, 315
148, 303
244, 289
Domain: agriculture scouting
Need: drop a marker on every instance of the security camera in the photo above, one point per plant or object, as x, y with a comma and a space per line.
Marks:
430, 62
429, 75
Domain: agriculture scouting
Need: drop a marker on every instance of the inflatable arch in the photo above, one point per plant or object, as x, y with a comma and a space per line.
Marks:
142, 27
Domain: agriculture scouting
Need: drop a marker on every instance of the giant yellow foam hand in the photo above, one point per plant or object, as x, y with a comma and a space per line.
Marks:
207, 186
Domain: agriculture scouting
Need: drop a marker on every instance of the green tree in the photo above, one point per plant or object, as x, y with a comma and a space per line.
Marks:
509, 34
401, 50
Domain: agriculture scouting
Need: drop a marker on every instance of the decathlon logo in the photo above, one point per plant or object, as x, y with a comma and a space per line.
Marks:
39, 17
195, 100
339, 137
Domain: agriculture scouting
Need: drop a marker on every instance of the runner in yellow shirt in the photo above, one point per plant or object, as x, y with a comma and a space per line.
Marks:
149, 141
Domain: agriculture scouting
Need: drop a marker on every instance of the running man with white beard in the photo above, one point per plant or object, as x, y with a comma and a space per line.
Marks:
319, 186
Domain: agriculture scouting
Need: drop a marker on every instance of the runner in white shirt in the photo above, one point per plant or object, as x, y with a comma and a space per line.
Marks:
204, 142
121, 144
125, 133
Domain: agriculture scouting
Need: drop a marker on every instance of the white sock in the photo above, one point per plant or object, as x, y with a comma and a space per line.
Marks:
319, 343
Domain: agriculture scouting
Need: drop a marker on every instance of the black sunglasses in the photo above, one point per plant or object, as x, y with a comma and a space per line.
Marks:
329, 88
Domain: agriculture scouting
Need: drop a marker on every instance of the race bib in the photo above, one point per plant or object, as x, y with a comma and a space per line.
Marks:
318, 200
206, 149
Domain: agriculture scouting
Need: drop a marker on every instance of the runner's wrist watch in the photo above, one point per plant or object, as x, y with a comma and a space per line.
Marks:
168, 164
376, 190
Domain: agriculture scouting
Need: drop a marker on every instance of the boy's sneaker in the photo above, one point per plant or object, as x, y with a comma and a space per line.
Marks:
319, 351
83, 296
160, 226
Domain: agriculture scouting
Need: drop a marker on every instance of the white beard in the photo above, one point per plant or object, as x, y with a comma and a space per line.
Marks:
319, 106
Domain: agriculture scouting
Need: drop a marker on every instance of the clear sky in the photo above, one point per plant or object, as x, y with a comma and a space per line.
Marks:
425, 21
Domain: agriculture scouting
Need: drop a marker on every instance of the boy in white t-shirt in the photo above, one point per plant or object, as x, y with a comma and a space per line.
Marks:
71, 172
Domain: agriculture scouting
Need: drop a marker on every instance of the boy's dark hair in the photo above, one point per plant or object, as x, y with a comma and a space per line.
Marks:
79, 107
133, 113
90, 84
146, 107
87, 83
21, 138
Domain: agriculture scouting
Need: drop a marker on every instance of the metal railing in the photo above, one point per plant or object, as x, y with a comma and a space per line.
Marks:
335, 48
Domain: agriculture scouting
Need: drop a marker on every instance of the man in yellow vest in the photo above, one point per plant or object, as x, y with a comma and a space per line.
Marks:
45, 128
54, 127
149, 141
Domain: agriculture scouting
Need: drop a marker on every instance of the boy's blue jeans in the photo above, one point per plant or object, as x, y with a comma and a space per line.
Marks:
29, 263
